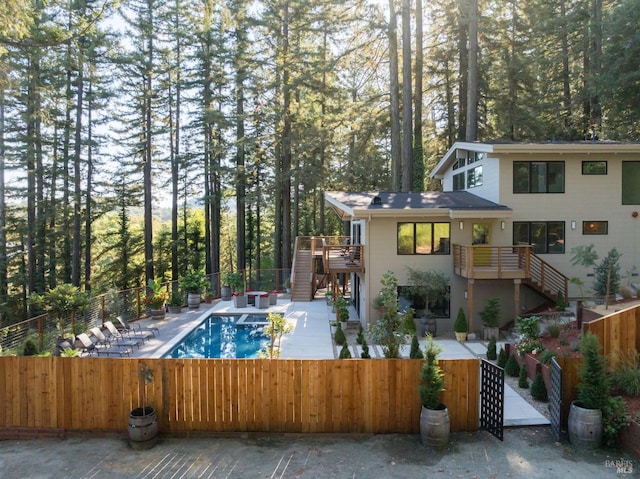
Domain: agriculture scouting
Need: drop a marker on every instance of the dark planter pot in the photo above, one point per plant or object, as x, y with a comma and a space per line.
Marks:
585, 426
426, 325
225, 293
143, 428
175, 309
435, 426
157, 313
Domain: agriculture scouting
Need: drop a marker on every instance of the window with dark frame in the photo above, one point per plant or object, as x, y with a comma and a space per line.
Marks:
458, 181
630, 182
474, 177
594, 167
595, 227
423, 238
545, 237
538, 177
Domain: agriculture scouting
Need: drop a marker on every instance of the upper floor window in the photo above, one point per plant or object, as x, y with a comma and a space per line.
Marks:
594, 167
423, 238
538, 177
543, 236
630, 182
458, 181
474, 177
595, 227
473, 156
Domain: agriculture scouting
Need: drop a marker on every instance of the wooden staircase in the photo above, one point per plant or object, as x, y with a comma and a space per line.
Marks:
545, 279
302, 276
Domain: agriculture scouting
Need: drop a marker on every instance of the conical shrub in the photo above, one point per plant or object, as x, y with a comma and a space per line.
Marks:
339, 336
523, 380
491, 349
502, 358
512, 368
344, 352
538, 389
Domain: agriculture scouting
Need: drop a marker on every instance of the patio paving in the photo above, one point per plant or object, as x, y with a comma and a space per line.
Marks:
311, 339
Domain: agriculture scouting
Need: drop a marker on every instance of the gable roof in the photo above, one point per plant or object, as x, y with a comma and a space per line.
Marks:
450, 204
557, 148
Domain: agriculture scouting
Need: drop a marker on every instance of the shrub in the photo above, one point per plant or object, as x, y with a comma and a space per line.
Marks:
491, 349
502, 358
512, 368
415, 352
490, 315
538, 389
339, 336
626, 292
528, 327
408, 324
546, 356
626, 374
365, 350
29, 348
460, 325
523, 380
360, 337
560, 302
615, 417
593, 388
554, 328
344, 352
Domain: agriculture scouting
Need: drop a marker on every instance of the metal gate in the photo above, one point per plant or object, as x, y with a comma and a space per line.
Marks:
491, 398
555, 399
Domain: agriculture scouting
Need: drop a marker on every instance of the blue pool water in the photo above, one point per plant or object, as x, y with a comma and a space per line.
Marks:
226, 336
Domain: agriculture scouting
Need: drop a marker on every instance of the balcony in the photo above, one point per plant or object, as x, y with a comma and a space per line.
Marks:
492, 262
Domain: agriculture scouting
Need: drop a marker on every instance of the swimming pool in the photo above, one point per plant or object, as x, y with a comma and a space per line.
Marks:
226, 336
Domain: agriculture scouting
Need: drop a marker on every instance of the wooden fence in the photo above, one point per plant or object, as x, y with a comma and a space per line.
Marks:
284, 396
618, 331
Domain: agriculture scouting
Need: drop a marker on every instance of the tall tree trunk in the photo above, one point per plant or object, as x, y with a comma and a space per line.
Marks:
175, 149
147, 122
472, 85
286, 143
241, 199
418, 154
566, 85
4, 287
407, 100
88, 217
595, 108
394, 100
77, 176
463, 66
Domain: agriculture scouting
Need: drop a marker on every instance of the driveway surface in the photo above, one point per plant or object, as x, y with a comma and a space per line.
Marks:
529, 452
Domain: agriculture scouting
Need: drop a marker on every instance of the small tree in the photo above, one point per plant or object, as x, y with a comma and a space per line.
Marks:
502, 358
365, 350
429, 285
431, 376
607, 275
339, 336
387, 332
62, 303
512, 368
491, 349
415, 352
593, 389
523, 380
490, 315
344, 352
461, 325
275, 329
538, 388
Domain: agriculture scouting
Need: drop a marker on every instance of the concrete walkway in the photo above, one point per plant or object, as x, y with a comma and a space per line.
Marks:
311, 339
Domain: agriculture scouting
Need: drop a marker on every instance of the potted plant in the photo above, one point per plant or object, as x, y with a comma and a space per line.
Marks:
343, 316
208, 296
175, 302
232, 281
156, 299
585, 414
434, 417
193, 282
460, 327
329, 297
143, 421
490, 317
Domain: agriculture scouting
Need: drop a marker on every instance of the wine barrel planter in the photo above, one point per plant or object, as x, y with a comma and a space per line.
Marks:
435, 426
585, 426
157, 313
193, 300
143, 428
225, 293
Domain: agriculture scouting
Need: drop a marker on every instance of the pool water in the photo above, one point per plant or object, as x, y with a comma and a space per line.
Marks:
226, 336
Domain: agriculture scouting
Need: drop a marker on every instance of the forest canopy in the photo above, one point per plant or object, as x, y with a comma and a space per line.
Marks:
141, 138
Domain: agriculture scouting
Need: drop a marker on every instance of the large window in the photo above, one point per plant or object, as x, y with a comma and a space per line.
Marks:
630, 182
423, 238
538, 177
458, 181
474, 177
438, 307
543, 236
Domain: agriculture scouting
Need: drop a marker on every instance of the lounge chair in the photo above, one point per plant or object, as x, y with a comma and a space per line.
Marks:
114, 340
106, 347
131, 336
86, 346
136, 327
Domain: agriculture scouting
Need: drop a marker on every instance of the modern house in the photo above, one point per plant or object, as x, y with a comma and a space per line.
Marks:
504, 226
